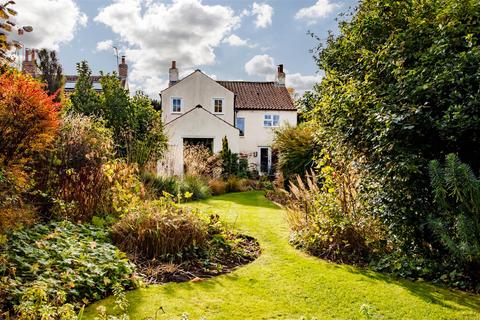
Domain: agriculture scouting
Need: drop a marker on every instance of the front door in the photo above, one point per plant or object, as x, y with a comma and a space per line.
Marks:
264, 160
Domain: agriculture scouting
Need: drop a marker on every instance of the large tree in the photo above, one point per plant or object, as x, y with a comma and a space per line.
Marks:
402, 87
51, 72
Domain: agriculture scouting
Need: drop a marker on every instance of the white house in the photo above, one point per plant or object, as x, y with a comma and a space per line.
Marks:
199, 109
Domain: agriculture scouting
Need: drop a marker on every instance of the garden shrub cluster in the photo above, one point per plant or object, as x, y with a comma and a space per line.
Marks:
401, 90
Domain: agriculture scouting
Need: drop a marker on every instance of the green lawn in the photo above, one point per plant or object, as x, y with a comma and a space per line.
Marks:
284, 283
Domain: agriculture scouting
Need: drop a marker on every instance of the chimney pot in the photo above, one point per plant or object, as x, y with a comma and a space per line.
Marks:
123, 59
280, 76
173, 73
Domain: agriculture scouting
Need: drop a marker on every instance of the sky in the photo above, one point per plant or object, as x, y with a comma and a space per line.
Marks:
226, 39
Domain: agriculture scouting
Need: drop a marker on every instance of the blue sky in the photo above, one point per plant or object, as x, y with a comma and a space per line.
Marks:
229, 40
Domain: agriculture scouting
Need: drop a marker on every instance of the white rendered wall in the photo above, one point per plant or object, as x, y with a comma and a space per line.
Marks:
256, 135
196, 124
197, 89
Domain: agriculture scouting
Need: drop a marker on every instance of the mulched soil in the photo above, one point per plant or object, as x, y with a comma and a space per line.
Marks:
158, 272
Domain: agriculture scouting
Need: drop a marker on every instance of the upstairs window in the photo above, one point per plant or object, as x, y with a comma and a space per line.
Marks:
271, 120
218, 105
176, 105
241, 126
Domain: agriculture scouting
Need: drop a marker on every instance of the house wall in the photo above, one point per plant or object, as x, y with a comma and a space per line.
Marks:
196, 124
197, 89
256, 135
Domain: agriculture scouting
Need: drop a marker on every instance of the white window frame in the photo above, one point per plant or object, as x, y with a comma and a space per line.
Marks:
181, 104
223, 105
271, 120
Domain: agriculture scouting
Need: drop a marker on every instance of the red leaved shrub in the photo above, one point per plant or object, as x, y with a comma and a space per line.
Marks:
28, 125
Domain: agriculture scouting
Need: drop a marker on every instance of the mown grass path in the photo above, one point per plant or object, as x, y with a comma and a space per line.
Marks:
284, 283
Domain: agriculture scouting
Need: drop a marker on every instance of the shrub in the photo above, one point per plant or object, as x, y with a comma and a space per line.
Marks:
159, 184
296, 149
28, 119
324, 223
28, 125
161, 230
195, 185
217, 186
456, 192
74, 168
57, 267
234, 184
199, 161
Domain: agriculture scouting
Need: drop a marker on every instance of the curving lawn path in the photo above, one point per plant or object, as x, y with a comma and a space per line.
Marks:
284, 283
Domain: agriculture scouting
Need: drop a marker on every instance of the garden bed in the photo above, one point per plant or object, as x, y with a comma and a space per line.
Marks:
246, 250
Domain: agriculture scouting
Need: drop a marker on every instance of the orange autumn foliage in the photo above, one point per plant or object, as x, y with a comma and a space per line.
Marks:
28, 125
28, 118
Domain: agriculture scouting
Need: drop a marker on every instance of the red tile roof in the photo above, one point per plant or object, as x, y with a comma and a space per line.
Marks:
259, 95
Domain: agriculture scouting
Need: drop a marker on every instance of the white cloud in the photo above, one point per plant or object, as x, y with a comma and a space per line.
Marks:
320, 9
263, 13
104, 45
302, 83
236, 41
156, 33
54, 22
261, 65
264, 66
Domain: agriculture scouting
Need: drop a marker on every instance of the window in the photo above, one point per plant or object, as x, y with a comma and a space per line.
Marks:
176, 105
218, 105
241, 126
271, 120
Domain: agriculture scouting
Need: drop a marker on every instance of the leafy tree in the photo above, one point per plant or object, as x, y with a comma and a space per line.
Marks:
118, 111
51, 72
136, 126
305, 104
400, 89
84, 99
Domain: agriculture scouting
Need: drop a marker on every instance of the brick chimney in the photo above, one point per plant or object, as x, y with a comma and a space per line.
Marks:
123, 70
29, 65
173, 73
280, 76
